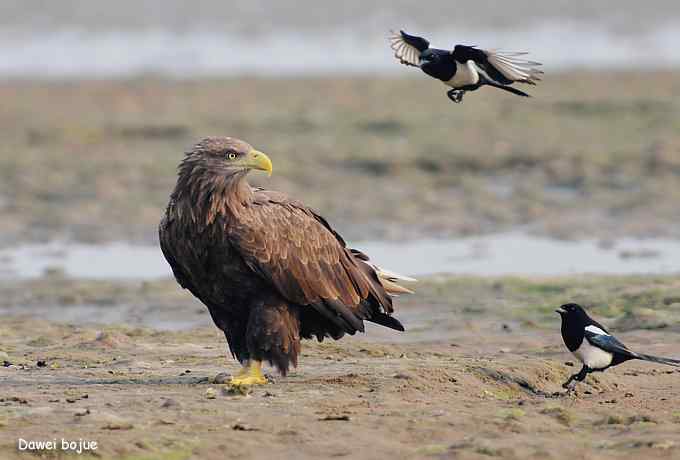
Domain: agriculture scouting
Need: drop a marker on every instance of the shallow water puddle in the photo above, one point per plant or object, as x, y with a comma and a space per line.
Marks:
492, 255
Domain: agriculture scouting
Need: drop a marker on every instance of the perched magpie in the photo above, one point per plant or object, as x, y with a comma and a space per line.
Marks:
594, 346
466, 68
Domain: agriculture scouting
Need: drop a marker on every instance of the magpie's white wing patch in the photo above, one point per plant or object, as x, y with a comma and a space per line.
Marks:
595, 330
407, 54
513, 67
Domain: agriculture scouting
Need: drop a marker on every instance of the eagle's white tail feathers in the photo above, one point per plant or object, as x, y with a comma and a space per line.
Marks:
390, 280
394, 289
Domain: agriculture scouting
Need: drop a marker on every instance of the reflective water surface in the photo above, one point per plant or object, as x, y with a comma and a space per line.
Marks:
492, 255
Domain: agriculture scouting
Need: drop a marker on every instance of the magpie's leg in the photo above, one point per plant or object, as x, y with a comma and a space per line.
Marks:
455, 95
579, 377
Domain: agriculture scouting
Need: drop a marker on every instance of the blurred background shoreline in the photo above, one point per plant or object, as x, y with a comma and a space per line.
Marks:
209, 38
200, 53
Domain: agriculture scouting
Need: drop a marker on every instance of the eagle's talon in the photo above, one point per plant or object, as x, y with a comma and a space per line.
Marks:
250, 374
248, 380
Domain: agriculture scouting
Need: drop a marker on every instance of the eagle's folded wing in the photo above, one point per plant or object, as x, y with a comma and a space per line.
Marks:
293, 248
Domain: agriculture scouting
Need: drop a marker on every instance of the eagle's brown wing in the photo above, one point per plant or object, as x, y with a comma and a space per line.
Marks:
295, 249
167, 247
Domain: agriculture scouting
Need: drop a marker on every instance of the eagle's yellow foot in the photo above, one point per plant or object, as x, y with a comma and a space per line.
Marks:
251, 374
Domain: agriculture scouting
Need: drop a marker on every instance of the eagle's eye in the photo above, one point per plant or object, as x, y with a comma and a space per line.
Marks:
232, 156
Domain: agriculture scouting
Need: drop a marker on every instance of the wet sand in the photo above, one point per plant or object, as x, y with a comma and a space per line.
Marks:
476, 375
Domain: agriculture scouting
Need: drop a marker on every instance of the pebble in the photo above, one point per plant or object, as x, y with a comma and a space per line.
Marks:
335, 418
114, 422
402, 376
221, 378
237, 390
210, 393
169, 403
243, 427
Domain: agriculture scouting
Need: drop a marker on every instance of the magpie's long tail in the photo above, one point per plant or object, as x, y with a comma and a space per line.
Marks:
660, 360
507, 88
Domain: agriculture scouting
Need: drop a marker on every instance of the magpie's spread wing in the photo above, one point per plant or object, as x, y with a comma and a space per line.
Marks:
407, 48
502, 67
601, 339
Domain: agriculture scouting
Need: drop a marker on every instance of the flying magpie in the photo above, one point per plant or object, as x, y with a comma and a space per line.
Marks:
594, 346
466, 68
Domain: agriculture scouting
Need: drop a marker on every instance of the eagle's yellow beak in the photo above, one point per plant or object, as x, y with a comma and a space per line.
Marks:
258, 160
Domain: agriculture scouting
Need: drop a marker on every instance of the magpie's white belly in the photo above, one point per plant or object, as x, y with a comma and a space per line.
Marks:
466, 74
593, 357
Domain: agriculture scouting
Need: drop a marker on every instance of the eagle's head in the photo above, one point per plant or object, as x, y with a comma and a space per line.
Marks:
228, 155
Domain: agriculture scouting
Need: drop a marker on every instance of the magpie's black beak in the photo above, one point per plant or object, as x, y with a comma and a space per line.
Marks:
560, 311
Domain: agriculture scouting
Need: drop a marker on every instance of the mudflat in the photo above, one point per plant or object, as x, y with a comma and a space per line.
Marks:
476, 375
137, 367
379, 157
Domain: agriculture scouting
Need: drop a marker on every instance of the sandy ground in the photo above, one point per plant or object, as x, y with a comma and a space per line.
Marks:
476, 375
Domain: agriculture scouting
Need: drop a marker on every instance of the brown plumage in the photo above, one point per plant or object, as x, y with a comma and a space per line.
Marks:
270, 270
